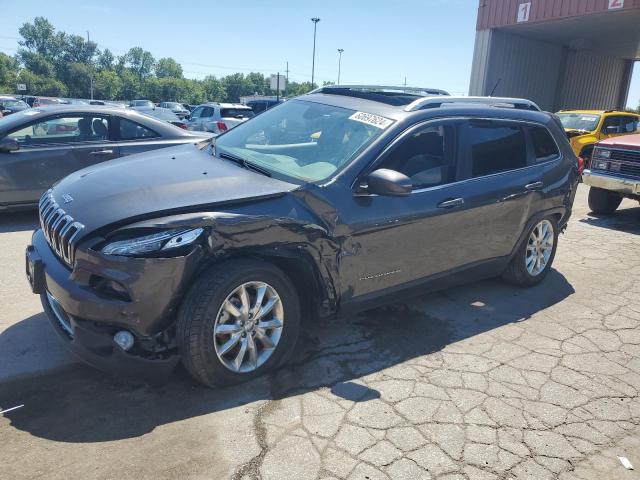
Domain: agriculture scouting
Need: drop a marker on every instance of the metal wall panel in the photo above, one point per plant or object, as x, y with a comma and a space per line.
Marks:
480, 63
593, 81
496, 13
523, 67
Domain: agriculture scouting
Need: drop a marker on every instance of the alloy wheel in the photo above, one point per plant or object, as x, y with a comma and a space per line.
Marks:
248, 326
539, 247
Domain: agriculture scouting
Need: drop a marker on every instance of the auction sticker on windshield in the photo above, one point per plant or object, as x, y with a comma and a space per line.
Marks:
371, 119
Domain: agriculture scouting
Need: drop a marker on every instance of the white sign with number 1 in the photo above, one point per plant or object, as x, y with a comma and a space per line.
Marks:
524, 9
615, 4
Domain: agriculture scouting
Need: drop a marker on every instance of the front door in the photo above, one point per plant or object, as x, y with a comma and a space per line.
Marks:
51, 149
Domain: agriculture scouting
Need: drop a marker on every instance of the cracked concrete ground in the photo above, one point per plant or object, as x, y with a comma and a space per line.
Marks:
484, 381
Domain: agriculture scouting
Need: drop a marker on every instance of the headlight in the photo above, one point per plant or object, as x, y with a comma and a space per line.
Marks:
155, 242
600, 153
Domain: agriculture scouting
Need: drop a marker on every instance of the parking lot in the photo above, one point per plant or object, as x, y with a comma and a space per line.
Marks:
478, 382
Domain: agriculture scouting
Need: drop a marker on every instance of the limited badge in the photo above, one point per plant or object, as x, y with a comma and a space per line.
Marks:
371, 119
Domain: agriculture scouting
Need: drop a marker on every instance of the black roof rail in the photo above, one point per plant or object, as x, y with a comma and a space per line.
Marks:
501, 102
389, 94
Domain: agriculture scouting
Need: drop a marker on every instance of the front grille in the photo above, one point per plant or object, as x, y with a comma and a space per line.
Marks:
59, 229
625, 156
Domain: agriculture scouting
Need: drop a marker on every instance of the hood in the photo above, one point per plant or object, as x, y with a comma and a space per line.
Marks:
157, 183
623, 141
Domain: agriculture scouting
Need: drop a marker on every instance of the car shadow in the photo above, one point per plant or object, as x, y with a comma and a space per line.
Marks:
624, 220
18, 221
80, 404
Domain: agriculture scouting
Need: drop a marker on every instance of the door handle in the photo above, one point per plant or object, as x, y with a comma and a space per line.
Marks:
101, 152
534, 186
454, 202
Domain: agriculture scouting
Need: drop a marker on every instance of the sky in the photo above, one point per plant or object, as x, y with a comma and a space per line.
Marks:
430, 42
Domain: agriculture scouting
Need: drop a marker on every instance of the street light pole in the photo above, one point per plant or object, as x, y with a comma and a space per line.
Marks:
340, 50
315, 21
91, 74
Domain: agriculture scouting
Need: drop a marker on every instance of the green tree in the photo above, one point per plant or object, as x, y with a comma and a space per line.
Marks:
8, 73
140, 62
106, 60
37, 63
39, 85
107, 85
168, 67
77, 78
214, 90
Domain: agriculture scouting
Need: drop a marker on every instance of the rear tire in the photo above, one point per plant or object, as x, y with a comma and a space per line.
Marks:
226, 288
523, 270
603, 201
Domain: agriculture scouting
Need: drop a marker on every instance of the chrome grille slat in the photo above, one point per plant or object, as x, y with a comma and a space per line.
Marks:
59, 228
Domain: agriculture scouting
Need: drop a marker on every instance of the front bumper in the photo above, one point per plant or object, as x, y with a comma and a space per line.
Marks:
622, 185
86, 319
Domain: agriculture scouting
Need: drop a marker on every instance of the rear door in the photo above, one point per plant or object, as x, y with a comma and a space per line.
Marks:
51, 149
133, 137
501, 181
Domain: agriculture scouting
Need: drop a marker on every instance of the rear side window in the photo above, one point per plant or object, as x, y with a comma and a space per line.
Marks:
544, 146
206, 112
629, 124
134, 131
495, 148
236, 113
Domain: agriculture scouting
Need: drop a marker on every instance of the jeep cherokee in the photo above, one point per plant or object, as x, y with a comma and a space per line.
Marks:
337, 201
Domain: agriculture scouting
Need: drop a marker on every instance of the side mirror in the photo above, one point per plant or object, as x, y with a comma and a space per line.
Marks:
388, 183
9, 144
6, 112
611, 129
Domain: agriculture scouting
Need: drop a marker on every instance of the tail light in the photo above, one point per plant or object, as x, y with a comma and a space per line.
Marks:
222, 126
580, 165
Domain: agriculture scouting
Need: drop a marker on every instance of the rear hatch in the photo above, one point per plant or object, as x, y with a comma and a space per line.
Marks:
235, 116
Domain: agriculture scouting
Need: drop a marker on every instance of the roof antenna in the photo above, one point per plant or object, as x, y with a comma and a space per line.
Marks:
495, 86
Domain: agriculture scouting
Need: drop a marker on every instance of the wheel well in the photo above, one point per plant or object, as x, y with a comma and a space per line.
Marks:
304, 279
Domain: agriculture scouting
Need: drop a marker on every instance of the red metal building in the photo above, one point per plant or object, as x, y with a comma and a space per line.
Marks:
560, 53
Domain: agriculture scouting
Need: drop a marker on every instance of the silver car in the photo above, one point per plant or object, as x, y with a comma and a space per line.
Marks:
218, 117
176, 108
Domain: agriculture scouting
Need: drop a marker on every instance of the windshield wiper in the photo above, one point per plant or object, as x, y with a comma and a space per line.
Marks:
245, 163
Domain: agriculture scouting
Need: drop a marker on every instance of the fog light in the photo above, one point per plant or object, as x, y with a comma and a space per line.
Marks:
124, 339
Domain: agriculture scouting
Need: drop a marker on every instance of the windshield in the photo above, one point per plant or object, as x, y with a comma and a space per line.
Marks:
302, 140
236, 113
173, 105
578, 121
9, 103
142, 103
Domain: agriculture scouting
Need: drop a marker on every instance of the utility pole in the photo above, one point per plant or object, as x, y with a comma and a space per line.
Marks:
91, 73
287, 84
340, 50
315, 21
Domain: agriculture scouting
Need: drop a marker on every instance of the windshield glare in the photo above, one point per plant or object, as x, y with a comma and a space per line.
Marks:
577, 121
304, 140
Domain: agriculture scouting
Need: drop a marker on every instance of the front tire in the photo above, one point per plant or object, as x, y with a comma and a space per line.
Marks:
533, 259
239, 320
603, 201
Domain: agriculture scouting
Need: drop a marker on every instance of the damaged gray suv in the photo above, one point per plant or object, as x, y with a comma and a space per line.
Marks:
335, 202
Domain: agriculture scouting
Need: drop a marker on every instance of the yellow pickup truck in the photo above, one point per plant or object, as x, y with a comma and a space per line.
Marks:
586, 127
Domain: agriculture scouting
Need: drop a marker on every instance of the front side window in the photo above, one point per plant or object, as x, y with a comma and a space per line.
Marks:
629, 124
495, 148
425, 156
206, 112
197, 112
306, 141
65, 129
130, 130
544, 146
